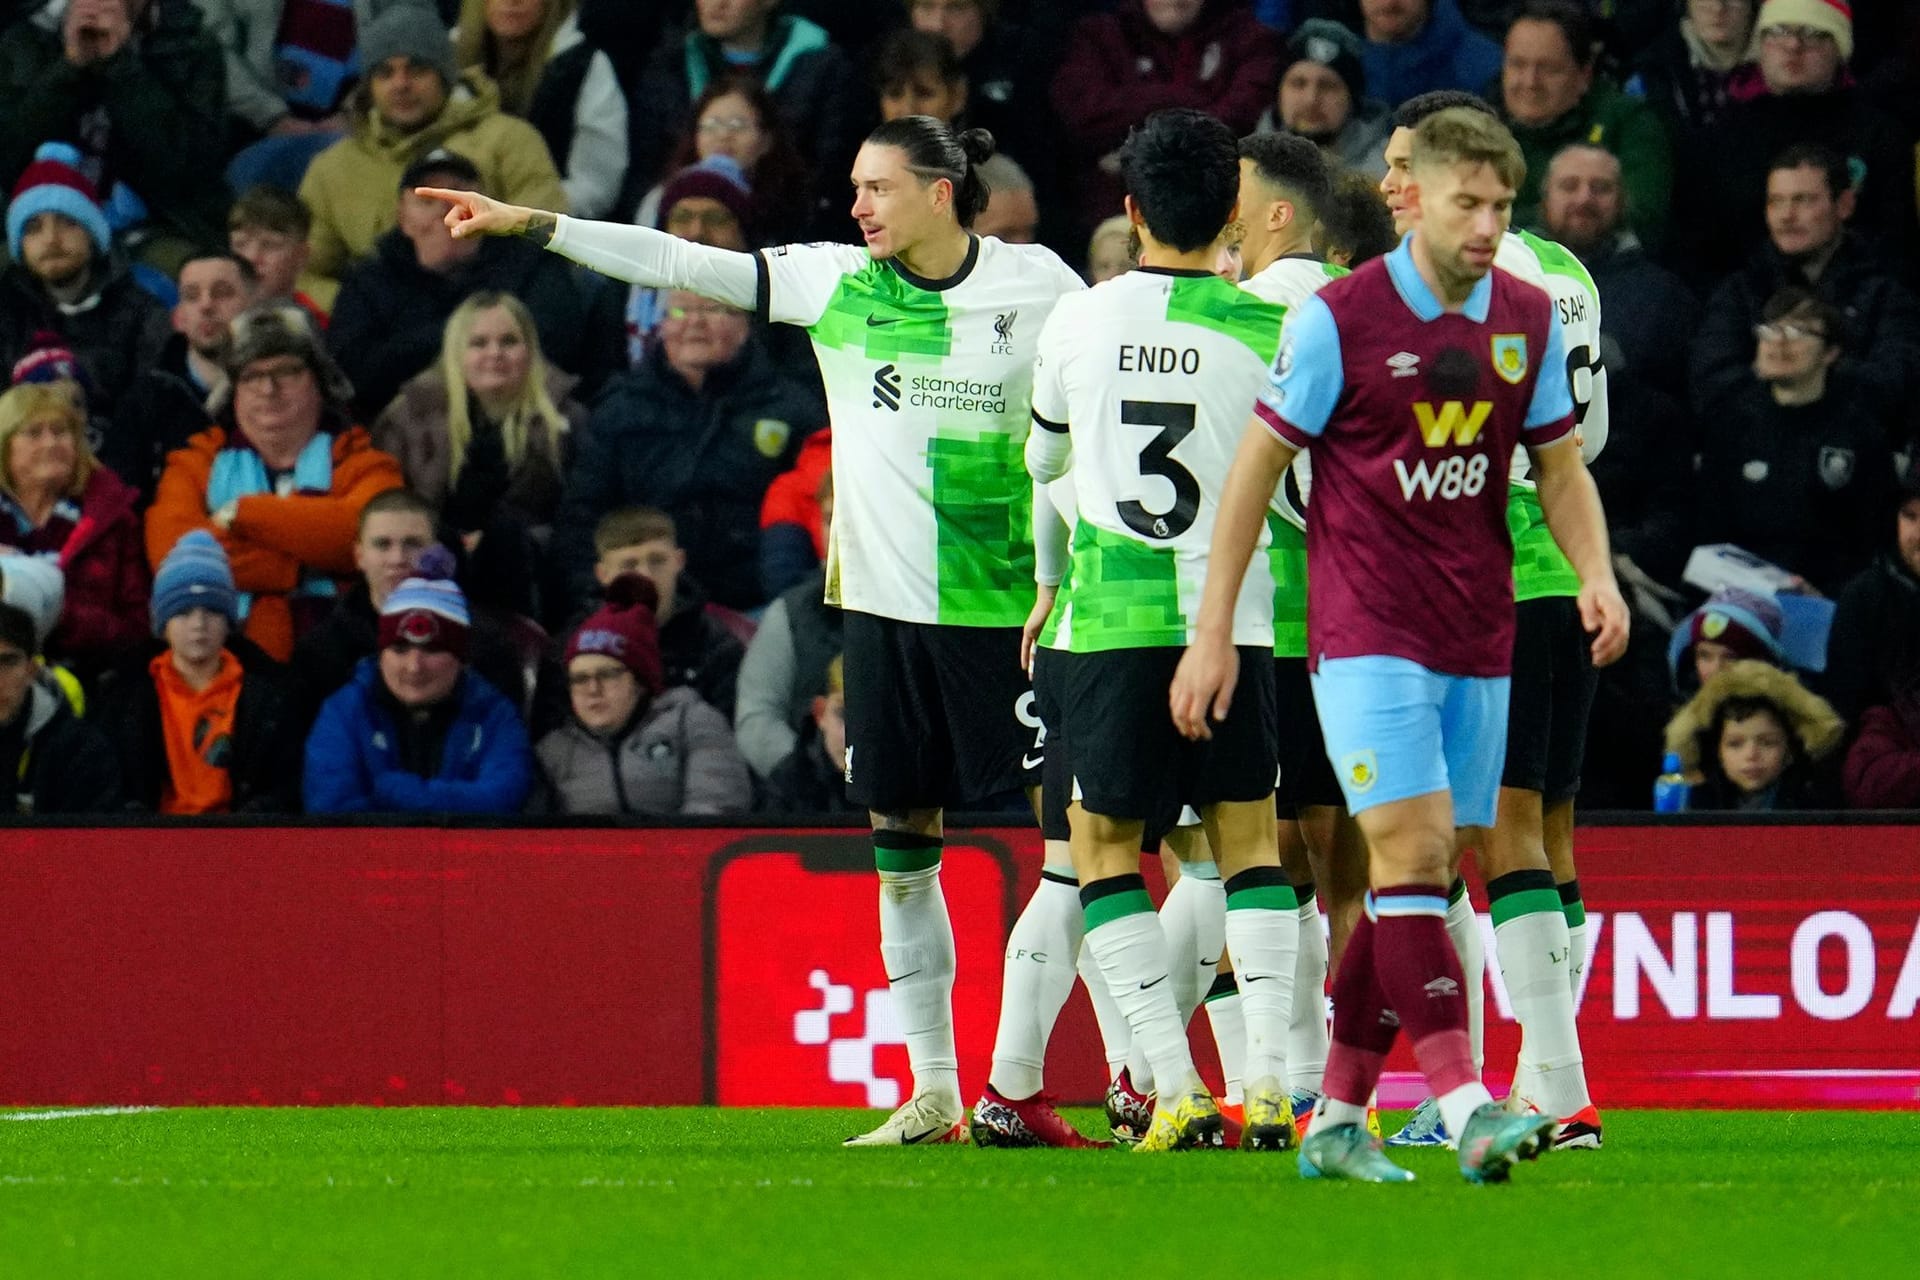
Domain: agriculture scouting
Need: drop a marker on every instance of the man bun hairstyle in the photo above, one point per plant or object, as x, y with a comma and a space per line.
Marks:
935, 151
1462, 136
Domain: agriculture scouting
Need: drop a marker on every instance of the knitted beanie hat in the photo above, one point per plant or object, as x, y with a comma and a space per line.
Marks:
1835, 17
54, 183
1334, 47
195, 575
413, 31
625, 629
37, 587
427, 610
715, 178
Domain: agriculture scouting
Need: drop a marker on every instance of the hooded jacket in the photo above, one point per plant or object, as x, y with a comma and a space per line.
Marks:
677, 760
1815, 728
274, 541
1883, 766
352, 187
1120, 69
353, 759
266, 746
392, 313
53, 762
104, 564
163, 101
580, 111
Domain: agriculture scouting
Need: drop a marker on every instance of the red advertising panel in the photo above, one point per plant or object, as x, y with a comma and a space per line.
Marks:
1727, 966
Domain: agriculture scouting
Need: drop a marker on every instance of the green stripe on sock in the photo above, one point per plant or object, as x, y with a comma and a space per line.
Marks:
1576, 912
1273, 897
1456, 891
905, 861
1525, 903
1116, 906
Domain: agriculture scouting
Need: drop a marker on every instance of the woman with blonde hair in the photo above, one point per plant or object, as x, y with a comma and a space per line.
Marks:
553, 79
59, 504
484, 435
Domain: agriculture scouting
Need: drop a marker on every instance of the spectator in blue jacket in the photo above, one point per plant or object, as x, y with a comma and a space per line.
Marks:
1417, 46
415, 731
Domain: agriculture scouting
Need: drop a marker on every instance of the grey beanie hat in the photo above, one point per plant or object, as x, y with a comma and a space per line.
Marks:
409, 30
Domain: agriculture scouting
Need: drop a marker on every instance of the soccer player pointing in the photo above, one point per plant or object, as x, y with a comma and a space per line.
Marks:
925, 339
1412, 380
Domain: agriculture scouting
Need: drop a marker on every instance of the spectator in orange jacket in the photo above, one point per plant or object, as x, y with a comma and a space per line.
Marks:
279, 478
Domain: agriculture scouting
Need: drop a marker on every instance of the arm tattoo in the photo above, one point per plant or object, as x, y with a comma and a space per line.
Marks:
540, 227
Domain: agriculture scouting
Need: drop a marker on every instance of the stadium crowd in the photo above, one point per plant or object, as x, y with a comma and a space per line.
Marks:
308, 506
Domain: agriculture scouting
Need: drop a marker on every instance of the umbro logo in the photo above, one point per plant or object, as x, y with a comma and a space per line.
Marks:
886, 388
1441, 988
1404, 365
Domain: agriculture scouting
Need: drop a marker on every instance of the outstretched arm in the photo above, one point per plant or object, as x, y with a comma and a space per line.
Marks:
637, 255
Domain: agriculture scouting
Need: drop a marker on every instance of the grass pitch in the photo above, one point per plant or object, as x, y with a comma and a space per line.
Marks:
695, 1192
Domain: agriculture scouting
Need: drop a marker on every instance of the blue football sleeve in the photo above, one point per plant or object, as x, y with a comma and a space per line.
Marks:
1552, 393
1303, 388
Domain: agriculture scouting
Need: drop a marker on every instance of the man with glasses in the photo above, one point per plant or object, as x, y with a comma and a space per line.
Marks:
1798, 91
1795, 465
1810, 203
279, 477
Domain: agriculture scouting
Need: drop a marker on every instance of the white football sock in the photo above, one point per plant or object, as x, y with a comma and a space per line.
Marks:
1263, 942
1132, 952
1194, 917
1307, 1035
1229, 1037
1533, 949
1116, 1038
1463, 926
1036, 978
916, 946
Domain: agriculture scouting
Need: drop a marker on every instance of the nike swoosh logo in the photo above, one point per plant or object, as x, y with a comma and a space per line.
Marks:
902, 978
1028, 762
874, 322
922, 1137
1211, 963
1257, 977
1156, 982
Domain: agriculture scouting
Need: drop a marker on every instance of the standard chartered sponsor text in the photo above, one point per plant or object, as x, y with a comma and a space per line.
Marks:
926, 392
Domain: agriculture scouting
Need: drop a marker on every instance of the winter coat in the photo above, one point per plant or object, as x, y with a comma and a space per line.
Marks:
104, 563
247, 31
580, 111
353, 763
392, 313
1120, 69
1625, 127
1883, 765
821, 96
1879, 338
1873, 648
701, 643
1720, 200
325, 658
414, 430
266, 744
704, 457
1648, 312
116, 332
1446, 54
274, 541
1815, 729
1805, 486
793, 529
162, 98
352, 186
784, 669
162, 410
1688, 93
53, 762
677, 761
1360, 146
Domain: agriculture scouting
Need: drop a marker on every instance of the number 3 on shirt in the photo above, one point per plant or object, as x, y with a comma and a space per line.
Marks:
1175, 423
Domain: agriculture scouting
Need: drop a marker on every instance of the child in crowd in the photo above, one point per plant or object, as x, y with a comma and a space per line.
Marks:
1753, 738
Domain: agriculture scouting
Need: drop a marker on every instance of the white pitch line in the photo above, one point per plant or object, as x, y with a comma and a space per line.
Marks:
76, 1113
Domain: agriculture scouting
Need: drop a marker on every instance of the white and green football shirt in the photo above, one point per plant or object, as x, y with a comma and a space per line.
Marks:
1540, 568
1287, 283
928, 387
1149, 377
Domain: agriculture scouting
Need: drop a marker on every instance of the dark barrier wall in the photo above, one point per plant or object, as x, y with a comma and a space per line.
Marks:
1728, 966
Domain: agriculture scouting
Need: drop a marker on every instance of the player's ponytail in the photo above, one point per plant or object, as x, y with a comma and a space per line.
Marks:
935, 151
